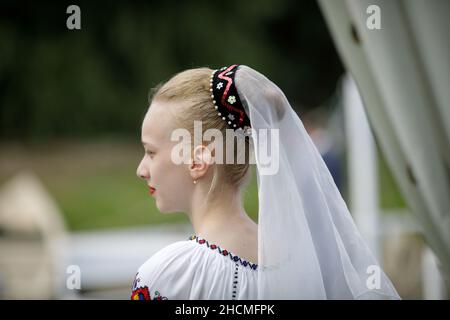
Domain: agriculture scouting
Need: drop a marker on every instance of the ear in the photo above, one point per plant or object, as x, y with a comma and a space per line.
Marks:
202, 160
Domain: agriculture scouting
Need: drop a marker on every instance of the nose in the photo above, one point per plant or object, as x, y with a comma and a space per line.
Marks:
142, 172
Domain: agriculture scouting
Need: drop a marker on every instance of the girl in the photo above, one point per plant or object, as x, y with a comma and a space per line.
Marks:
305, 245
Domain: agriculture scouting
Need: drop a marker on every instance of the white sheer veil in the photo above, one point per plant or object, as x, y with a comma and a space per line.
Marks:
309, 246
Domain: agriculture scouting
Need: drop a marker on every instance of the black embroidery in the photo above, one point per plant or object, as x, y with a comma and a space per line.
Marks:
235, 282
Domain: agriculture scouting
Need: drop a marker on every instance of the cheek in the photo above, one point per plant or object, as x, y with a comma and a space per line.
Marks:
173, 184
177, 178
169, 176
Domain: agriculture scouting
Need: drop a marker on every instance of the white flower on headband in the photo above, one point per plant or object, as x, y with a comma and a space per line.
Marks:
231, 99
219, 85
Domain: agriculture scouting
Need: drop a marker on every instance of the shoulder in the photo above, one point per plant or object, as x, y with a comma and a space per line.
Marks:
170, 257
191, 269
164, 271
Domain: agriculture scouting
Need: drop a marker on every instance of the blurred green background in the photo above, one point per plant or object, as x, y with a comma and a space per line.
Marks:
72, 101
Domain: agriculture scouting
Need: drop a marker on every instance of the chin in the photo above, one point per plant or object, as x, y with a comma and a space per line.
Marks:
165, 209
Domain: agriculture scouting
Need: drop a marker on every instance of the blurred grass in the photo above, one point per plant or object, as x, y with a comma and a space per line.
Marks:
95, 183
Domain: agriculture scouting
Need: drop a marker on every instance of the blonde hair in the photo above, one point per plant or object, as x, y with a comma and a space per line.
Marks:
192, 87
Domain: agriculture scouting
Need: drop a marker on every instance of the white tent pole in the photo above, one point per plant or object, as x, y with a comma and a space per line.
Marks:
362, 167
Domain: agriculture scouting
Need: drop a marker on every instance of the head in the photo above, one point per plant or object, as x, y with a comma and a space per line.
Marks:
179, 102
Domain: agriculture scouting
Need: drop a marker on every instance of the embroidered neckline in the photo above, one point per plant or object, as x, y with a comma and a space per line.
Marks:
224, 252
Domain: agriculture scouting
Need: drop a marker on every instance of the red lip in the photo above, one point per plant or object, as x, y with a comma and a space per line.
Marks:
152, 190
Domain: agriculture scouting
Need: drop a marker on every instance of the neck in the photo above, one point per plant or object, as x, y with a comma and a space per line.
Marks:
213, 218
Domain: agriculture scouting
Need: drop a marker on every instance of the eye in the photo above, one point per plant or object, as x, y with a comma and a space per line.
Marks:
150, 153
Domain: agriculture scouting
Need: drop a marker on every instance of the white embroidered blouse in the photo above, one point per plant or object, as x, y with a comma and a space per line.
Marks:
195, 269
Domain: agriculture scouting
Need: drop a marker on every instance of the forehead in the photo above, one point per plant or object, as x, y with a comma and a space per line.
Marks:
158, 123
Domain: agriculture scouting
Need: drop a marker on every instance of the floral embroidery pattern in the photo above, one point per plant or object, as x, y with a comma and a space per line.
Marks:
142, 293
136, 281
158, 296
224, 252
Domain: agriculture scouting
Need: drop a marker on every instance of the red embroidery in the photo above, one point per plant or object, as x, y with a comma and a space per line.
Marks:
141, 293
223, 76
224, 252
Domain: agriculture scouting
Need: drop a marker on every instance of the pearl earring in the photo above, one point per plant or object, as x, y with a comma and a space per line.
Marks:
195, 181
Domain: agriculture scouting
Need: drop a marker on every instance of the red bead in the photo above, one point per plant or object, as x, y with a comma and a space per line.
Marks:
213, 246
225, 252
201, 241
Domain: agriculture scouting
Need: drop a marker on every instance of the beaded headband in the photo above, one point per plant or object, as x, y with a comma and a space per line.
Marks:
226, 99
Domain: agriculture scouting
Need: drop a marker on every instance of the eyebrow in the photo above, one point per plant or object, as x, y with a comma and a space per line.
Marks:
147, 144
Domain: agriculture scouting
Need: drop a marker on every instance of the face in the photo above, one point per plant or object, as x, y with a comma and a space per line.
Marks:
172, 182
